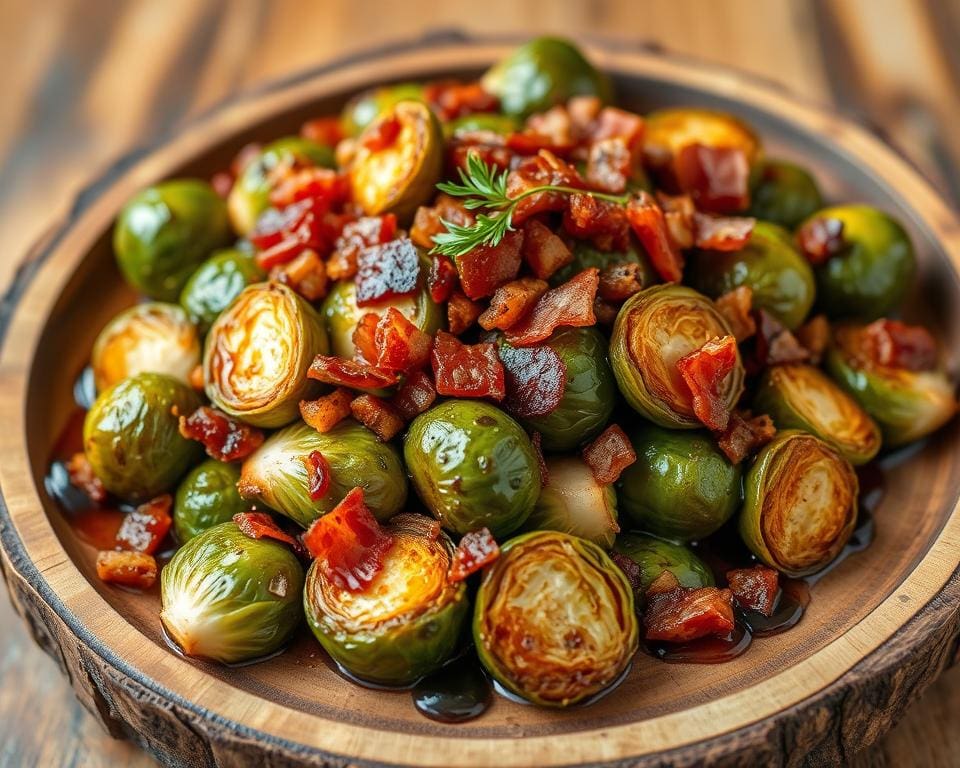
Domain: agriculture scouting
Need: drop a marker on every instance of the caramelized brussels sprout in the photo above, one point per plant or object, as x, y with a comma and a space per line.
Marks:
784, 194
780, 278
132, 439
654, 556
365, 107
148, 338
257, 354
802, 397
275, 474
407, 622
653, 330
473, 467
398, 177
165, 232
206, 497
554, 620
216, 283
585, 255
681, 486
229, 598
482, 121
668, 131
800, 504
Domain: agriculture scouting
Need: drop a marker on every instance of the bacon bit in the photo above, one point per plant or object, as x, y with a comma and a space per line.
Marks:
583, 111
717, 178
306, 274
814, 336
462, 313
487, 145
820, 238
259, 525
428, 221
631, 570
386, 271
543, 250
442, 280
554, 123
462, 370
893, 344
364, 338
222, 183
703, 371
569, 304
531, 143
544, 169
318, 474
356, 236
735, 306
614, 123
451, 99
755, 589
324, 413
476, 550
400, 345
536, 379
415, 396
196, 378
609, 164
745, 435
487, 267
377, 415
775, 344
646, 218
145, 527
382, 134
315, 184
678, 213
129, 569
284, 234
618, 282
341, 265
348, 543
511, 302
722, 233
679, 615
224, 437
536, 440
349, 373
605, 312
323, 130
609, 454
82, 476
603, 222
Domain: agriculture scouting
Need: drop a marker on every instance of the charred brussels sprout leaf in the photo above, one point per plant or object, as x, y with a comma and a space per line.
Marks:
366, 107
654, 556
206, 497
784, 194
216, 283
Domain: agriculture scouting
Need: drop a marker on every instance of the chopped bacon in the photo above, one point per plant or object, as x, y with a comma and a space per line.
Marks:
462, 370
543, 250
755, 589
609, 454
442, 280
318, 474
894, 344
618, 282
775, 344
324, 413
461, 313
583, 112
355, 237
451, 99
535, 380
536, 440
614, 123
400, 345
146, 526
348, 543
704, 371
224, 437
678, 213
428, 221
680, 615
631, 570
605, 312
364, 338
129, 569
745, 435
487, 145
476, 550
281, 235
569, 304
381, 134
735, 306
259, 525
510, 302
531, 143
377, 415
646, 218
342, 265
386, 271
722, 233
196, 377
349, 373
609, 165
554, 123
485, 268
414, 396
603, 222
543, 169
306, 274
814, 336
820, 238
309, 183
323, 130
81, 476
717, 178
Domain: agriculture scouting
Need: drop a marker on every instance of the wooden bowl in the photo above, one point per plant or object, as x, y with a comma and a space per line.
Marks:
879, 629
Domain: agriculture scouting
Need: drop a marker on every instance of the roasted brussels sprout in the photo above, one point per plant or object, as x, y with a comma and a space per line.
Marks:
364, 108
780, 278
654, 556
784, 193
165, 232
131, 435
148, 338
585, 255
407, 622
482, 121
206, 497
681, 486
907, 405
554, 620
668, 131
872, 274
802, 397
800, 504
473, 467
544, 72
275, 474
230, 598
216, 283
653, 330
398, 177
257, 354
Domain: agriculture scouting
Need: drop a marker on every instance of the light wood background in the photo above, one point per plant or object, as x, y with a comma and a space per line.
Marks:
84, 80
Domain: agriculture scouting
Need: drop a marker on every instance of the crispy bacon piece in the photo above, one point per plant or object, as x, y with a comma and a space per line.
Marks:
605, 312
386, 271
631, 570
451, 99
603, 222
318, 474
735, 306
569, 304
646, 218
129, 569
414, 396
722, 233
259, 525
611, 123
349, 373
717, 178
531, 143
703, 371
487, 267
382, 134
323, 130
893, 344
678, 213
356, 236
476, 550
609, 164
377, 415
814, 336
224, 437
364, 338
775, 344
145, 527
487, 145
324, 413
608, 454
309, 183
543, 169
536, 440
510, 302
745, 435
820, 238
462, 370
618, 282
81, 476
428, 221
543, 250
442, 279
348, 543
306, 274
400, 345
755, 589
679, 615
196, 378
461, 313
554, 123
535, 380
281, 235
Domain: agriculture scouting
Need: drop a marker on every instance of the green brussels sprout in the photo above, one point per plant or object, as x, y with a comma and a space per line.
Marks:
554, 620
681, 486
250, 195
407, 622
907, 405
574, 502
257, 354
653, 330
399, 177
585, 255
780, 278
784, 194
366, 107
216, 283
588, 396
482, 121
230, 598
654, 556
473, 467
149, 338
543, 72
132, 439
275, 474
164, 233
871, 275
800, 504
206, 497
803, 397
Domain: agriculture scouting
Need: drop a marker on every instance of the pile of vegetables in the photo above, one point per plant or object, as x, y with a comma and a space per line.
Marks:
496, 354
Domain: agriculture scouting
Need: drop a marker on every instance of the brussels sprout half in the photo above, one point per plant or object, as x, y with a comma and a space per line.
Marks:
257, 354
554, 620
800, 505
206, 497
216, 283
654, 556
366, 107
653, 330
407, 622
784, 193
230, 598
149, 338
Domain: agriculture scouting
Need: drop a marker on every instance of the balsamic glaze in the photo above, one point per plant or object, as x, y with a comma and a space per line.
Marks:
459, 691
706, 650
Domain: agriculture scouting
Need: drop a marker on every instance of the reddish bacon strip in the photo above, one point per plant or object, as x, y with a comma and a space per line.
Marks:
543, 250
415, 396
745, 435
306, 274
648, 223
618, 282
717, 178
308, 224
678, 213
462, 313
544, 169
820, 238
318, 474
442, 279
317, 184
461, 370
364, 338
259, 525
814, 336
704, 371
678, 615
129, 569
510, 302
609, 454
451, 99
81, 476
722, 233
535, 380
894, 344
386, 271
487, 267
377, 415
603, 222
323, 130
348, 373
569, 304
775, 344
324, 413
224, 437
755, 589
476, 550
609, 164
400, 345
735, 307
146, 526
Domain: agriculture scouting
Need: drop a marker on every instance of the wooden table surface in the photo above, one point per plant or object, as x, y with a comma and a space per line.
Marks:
83, 80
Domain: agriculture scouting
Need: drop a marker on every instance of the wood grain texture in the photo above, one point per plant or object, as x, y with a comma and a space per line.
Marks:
89, 79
